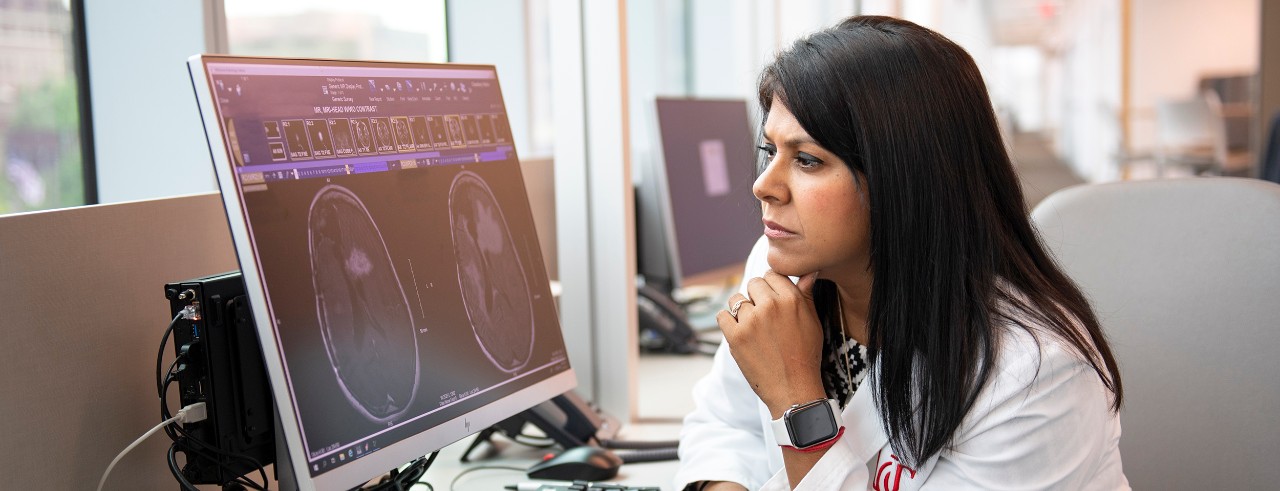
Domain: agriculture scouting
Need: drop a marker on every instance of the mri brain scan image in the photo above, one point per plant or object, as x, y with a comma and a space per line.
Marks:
364, 138
491, 274
364, 317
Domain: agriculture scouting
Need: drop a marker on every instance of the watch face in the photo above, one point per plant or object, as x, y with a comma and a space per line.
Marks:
812, 424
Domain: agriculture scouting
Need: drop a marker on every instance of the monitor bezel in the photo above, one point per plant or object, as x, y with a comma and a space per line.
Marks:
372, 465
661, 191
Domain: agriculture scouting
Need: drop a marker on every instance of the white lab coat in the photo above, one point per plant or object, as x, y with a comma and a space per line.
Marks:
1043, 422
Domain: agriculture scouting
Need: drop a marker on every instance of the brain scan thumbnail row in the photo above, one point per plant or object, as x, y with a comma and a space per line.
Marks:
304, 139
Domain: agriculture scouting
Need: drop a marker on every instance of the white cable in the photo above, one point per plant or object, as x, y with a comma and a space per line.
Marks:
191, 414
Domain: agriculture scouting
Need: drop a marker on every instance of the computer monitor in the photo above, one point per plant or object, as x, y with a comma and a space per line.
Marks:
389, 254
697, 218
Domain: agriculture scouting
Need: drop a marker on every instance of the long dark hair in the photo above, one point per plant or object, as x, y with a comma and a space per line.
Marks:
954, 257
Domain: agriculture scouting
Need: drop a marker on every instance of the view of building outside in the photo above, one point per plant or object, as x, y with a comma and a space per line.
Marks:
40, 154
399, 30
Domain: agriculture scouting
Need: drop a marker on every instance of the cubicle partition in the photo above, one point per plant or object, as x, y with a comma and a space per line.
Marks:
82, 310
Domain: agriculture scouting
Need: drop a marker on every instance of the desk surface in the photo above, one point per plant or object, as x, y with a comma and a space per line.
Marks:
664, 386
447, 466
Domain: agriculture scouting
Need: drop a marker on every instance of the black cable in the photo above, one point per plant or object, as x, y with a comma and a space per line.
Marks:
164, 409
250, 483
164, 339
177, 471
187, 449
187, 437
180, 436
415, 471
636, 456
484, 468
169, 374
637, 445
162, 383
403, 479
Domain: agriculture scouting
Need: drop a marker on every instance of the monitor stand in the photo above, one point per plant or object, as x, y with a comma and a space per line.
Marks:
285, 479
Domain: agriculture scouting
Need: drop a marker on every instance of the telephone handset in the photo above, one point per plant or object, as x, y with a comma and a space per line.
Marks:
570, 421
663, 323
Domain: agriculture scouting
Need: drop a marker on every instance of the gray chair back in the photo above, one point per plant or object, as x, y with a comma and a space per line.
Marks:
1184, 275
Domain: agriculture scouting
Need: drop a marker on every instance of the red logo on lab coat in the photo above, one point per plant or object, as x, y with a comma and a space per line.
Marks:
889, 475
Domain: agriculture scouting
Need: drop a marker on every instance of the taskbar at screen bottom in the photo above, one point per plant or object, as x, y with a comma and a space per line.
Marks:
347, 474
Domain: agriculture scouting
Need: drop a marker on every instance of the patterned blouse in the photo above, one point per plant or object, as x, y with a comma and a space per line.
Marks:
836, 378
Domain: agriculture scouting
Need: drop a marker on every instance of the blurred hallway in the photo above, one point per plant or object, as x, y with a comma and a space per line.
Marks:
1040, 172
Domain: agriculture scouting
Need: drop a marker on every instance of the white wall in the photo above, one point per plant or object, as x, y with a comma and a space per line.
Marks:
965, 23
1016, 82
492, 32
656, 47
1177, 41
1086, 89
723, 48
148, 140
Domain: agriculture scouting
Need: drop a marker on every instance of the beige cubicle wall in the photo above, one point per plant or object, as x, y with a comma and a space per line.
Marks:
82, 309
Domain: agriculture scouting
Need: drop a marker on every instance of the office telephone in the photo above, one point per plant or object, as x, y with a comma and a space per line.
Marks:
664, 326
570, 421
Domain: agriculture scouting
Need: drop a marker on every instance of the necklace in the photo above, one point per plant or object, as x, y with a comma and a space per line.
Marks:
844, 345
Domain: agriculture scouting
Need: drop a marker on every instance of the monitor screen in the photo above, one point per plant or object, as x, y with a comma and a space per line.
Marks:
389, 254
702, 217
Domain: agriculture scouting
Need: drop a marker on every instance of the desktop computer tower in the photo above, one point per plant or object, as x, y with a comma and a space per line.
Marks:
220, 363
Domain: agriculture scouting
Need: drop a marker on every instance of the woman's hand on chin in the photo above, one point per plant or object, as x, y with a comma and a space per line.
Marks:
776, 339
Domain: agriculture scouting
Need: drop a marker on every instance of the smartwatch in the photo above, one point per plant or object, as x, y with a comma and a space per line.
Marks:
807, 425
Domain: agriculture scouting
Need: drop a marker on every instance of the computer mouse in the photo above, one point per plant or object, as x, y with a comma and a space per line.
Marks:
583, 463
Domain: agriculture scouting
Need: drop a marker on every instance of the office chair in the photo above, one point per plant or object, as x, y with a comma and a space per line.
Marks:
1184, 275
1184, 135
1230, 123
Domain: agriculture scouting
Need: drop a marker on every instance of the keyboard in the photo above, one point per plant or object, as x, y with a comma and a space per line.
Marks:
577, 486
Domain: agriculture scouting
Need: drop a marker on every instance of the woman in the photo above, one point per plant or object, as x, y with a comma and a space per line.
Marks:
929, 341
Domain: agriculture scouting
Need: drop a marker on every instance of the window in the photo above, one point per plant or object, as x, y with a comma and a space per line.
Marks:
403, 30
41, 157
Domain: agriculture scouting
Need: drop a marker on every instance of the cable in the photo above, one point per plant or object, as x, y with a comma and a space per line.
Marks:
648, 455
637, 445
176, 471
201, 448
189, 414
164, 339
403, 479
184, 441
484, 468
189, 444
135, 443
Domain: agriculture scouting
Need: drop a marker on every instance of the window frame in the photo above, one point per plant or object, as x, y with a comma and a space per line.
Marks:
80, 70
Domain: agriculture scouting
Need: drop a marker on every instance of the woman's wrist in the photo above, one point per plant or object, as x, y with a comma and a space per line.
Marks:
780, 406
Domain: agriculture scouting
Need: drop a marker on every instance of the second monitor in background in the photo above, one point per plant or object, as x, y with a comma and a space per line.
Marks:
696, 216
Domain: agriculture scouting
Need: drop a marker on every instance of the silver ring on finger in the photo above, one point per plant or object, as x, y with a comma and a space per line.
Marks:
733, 309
